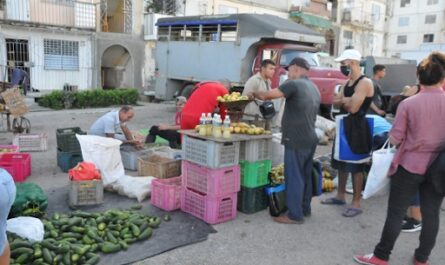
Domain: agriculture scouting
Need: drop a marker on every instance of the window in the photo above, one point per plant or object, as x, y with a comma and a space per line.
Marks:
430, 19
404, 3
347, 34
288, 55
375, 13
401, 39
432, 2
403, 21
61, 55
428, 38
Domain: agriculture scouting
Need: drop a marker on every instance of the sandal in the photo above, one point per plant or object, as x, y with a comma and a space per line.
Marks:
352, 212
333, 201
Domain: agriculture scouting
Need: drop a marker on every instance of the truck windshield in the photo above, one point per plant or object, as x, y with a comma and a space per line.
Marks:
288, 55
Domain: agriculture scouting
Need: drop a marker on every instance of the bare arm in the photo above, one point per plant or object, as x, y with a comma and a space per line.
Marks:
364, 89
127, 132
337, 101
377, 109
266, 95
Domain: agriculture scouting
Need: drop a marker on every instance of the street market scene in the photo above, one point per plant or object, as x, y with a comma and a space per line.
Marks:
222, 132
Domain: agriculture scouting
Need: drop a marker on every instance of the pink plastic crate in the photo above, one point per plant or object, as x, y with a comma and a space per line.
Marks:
212, 210
17, 164
166, 193
8, 149
211, 182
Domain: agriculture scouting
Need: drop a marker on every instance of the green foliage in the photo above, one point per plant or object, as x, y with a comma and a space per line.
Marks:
89, 98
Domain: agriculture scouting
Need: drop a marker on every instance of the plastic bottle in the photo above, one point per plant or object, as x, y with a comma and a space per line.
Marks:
226, 131
202, 125
217, 126
209, 126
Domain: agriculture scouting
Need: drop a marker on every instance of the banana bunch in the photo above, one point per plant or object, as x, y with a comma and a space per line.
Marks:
327, 185
326, 174
277, 174
244, 128
234, 96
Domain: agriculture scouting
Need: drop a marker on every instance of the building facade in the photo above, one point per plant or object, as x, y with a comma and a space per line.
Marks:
415, 28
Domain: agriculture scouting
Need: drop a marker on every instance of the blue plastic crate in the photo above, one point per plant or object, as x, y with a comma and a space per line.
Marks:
67, 161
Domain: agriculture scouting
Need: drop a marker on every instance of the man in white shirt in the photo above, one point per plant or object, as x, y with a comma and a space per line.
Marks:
108, 125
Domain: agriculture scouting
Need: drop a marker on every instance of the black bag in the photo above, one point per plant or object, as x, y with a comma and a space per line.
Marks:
436, 174
267, 109
277, 199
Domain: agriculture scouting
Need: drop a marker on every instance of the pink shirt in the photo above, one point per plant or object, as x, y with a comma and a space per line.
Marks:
419, 128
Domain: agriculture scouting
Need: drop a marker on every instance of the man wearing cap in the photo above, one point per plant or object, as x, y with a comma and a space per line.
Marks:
355, 97
298, 137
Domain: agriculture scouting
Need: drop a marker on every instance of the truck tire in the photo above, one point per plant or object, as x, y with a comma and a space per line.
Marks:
187, 90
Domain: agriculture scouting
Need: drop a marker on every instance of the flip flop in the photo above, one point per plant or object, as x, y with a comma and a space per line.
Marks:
333, 201
352, 212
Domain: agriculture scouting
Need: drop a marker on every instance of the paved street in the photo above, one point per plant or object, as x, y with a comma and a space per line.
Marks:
326, 238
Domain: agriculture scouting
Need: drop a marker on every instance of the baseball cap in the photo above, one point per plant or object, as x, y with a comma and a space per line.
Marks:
349, 54
298, 61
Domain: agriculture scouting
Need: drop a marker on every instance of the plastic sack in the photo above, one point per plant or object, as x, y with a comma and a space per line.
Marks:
277, 199
378, 181
133, 187
105, 153
30, 200
84, 171
327, 126
26, 227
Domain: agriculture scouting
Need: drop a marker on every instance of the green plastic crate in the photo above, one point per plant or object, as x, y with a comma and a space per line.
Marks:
67, 140
255, 174
252, 200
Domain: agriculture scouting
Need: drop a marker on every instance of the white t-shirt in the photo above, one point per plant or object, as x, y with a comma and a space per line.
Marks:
108, 123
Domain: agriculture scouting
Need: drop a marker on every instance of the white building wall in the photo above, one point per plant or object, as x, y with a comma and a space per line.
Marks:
415, 13
42, 79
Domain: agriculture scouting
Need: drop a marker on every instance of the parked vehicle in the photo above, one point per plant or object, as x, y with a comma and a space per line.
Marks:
231, 47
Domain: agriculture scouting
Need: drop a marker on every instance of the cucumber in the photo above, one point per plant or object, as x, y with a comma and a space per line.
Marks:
130, 240
22, 250
38, 253
82, 214
108, 247
71, 234
38, 261
111, 237
146, 234
75, 257
136, 207
77, 229
23, 259
124, 231
143, 226
154, 222
87, 240
167, 218
93, 260
123, 244
53, 233
74, 221
67, 258
101, 226
20, 244
57, 258
47, 255
56, 216
94, 247
135, 230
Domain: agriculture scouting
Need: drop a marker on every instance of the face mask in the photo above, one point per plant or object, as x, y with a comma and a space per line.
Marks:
345, 69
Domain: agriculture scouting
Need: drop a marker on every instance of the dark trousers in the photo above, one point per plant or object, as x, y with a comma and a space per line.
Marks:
172, 136
298, 178
404, 186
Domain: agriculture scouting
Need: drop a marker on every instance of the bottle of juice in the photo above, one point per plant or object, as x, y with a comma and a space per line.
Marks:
202, 125
209, 125
226, 126
217, 126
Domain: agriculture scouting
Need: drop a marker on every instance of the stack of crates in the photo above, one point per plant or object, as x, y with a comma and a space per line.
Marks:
255, 162
68, 148
210, 179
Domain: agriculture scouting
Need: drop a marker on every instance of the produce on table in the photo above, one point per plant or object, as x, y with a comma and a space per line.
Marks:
276, 175
243, 128
234, 96
78, 237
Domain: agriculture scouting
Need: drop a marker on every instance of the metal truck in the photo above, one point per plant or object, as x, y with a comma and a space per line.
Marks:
231, 47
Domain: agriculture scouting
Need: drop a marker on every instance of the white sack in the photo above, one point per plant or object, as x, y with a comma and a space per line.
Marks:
26, 227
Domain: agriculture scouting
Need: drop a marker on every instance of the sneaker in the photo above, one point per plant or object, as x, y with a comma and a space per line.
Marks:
415, 262
411, 225
370, 259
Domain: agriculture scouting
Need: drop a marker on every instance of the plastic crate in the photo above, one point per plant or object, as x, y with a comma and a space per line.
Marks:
67, 140
252, 200
212, 182
67, 161
88, 192
130, 155
212, 210
255, 174
256, 150
166, 193
8, 149
31, 142
17, 164
210, 153
158, 166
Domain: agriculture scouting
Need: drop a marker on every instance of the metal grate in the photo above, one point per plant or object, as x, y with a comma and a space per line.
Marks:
61, 55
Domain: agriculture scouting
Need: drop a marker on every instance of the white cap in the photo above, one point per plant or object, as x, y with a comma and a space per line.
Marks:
349, 54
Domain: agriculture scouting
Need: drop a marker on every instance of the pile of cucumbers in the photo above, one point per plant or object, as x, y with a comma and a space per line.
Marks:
79, 237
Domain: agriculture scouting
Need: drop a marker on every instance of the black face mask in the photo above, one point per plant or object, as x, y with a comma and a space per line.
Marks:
345, 69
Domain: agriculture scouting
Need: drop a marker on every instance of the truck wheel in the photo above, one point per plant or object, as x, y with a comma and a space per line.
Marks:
187, 91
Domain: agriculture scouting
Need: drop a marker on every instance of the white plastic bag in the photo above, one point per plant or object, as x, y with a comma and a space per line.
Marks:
378, 181
133, 187
105, 153
26, 227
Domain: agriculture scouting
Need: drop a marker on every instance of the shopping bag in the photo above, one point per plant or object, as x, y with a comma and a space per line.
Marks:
342, 149
84, 171
317, 179
277, 199
378, 180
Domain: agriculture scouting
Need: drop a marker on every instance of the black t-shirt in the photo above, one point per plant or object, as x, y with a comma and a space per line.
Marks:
300, 114
377, 98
